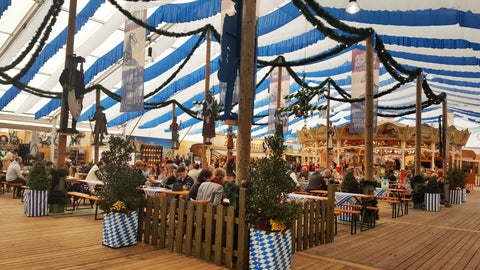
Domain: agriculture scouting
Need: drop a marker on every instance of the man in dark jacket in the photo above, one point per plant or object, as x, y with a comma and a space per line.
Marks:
316, 182
185, 179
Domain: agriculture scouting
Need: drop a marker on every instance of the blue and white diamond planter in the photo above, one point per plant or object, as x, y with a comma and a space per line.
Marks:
456, 196
120, 230
270, 250
35, 203
432, 202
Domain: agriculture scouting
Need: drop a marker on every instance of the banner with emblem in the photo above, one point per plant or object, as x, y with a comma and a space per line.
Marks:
357, 116
133, 64
272, 105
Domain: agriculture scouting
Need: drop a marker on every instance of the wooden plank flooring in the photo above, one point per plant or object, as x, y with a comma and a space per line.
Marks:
449, 239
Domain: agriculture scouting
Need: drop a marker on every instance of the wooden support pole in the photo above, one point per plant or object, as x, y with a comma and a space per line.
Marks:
418, 126
369, 111
279, 85
205, 160
432, 164
246, 90
97, 101
446, 146
62, 138
328, 127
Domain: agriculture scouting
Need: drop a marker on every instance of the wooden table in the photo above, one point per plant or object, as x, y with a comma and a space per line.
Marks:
152, 191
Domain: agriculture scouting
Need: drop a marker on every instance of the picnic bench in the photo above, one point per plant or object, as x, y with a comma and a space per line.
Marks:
93, 199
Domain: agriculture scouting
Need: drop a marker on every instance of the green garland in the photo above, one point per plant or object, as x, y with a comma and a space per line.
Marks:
52, 17
51, 14
165, 33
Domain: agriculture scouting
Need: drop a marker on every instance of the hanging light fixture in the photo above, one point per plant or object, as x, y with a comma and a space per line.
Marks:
149, 58
352, 7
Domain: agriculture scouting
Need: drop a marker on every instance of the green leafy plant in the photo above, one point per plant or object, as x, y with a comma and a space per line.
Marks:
266, 206
418, 185
120, 192
57, 196
350, 184
456, 177
37, 178
432, 186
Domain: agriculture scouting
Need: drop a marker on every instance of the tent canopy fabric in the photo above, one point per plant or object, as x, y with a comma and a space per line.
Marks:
441, 37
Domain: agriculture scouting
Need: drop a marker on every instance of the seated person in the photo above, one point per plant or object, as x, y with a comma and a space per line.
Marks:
204, 176
327, 176
72, 172
194, 172
317, 182
14, 173
213, 190
183, 178
48, 166
304, 174
140, 166
94, 174
84, 168
169, 175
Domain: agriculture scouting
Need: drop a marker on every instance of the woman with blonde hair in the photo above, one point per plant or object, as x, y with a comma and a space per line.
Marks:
169, 175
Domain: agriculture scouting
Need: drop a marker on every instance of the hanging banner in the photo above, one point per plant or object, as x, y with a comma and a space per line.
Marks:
229, 72
357, 116
133, 64
272, 105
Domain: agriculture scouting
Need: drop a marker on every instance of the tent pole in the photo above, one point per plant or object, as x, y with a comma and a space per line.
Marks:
205, 160
369, 110
418, 126
246, 91
97, 100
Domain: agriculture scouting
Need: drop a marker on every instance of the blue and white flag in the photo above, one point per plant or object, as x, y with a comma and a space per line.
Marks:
133, 64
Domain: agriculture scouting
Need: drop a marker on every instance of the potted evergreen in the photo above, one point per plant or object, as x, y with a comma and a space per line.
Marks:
432, 195
456, 178
368, 187
36, 195
120, 197
267, 212
58, 196
418, 185
350, 184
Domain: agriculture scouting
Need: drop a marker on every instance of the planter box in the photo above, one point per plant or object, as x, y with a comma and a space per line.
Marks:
464, 195
270, 251
35, 203
120, 230
432, 202
456, 196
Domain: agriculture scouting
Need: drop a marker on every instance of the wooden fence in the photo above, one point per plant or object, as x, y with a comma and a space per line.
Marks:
220, 235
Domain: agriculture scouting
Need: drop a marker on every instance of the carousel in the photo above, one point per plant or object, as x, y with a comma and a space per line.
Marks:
394, 145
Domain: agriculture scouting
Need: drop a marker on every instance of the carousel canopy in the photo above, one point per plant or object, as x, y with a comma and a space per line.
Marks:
440, 37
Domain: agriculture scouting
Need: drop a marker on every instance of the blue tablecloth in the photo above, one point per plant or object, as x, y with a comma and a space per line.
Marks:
295, 197
379, 192
154, 190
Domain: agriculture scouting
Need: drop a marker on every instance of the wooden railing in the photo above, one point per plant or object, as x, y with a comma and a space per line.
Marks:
219, 234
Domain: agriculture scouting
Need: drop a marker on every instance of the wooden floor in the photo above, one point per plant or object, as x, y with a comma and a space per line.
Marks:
420, 240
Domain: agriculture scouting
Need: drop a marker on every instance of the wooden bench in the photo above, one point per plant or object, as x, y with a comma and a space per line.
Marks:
393, 202
85, 196
354, 217
405, 202
368, 214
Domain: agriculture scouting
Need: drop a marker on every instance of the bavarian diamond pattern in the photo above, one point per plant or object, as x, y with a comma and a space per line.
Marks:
456, 196
270, 250
120, 230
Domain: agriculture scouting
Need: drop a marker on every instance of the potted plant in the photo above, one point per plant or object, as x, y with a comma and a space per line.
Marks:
36, 195
456, 178
350, 184
58, 196
368, 187
418, 185
120, 197
268, 213
432, 195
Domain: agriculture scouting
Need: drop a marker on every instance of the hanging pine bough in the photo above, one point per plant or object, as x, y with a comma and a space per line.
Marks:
52, 17
150, 28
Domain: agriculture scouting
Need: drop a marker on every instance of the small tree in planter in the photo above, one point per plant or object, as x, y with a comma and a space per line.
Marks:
36, 196
368, 187
457, 179
418, 185
267, 210
120, 197
432, 195
350, 184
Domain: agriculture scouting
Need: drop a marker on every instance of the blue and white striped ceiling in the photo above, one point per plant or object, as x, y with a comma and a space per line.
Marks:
441, 37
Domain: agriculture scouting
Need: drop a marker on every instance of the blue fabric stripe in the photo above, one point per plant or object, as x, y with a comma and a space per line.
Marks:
4, 4
276, 19
169, 91
292, 44
51, 49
